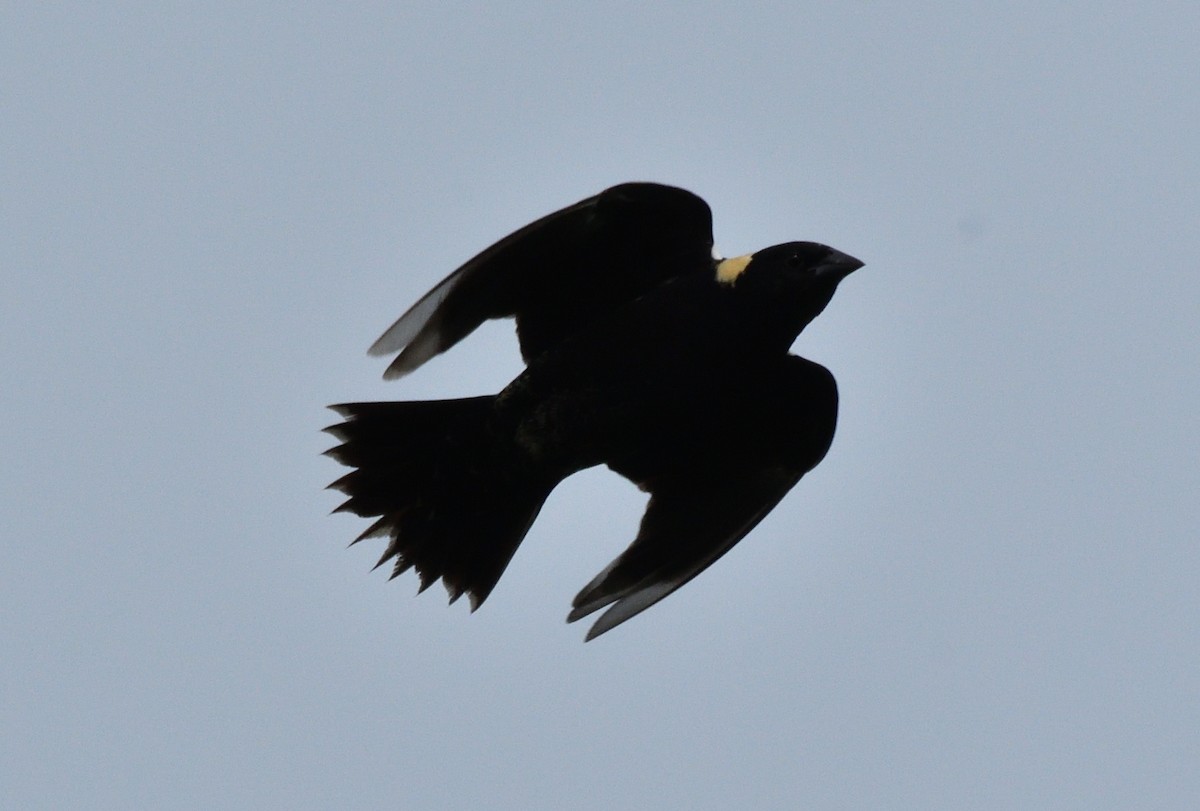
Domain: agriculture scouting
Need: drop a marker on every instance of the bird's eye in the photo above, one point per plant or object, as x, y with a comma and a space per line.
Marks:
793, 261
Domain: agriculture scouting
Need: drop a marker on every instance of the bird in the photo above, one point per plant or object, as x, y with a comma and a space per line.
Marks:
644, 351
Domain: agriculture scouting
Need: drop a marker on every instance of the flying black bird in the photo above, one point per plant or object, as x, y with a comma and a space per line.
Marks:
644, 352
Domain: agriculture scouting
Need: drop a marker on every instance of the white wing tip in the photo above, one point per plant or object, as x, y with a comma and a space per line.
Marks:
630, 606
409, 326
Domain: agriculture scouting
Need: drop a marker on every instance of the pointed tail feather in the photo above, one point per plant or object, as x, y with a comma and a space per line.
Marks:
445, 491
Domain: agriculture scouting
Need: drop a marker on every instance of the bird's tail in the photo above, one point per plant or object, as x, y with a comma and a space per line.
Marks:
447, 492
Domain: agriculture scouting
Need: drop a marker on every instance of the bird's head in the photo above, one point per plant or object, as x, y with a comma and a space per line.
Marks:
793, 281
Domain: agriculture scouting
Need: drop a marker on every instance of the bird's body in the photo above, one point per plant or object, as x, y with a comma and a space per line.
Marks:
645, 354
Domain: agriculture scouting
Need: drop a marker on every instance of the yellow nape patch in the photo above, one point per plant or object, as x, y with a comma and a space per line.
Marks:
728, 270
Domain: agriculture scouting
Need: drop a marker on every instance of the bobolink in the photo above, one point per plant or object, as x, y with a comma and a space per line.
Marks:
644, 352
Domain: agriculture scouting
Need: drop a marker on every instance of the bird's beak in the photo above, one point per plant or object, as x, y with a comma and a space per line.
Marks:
837, 266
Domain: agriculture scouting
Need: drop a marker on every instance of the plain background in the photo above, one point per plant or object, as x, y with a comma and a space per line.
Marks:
985, 597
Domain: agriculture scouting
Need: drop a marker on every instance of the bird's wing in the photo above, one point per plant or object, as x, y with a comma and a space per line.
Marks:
560, 272
688, 525
704, 499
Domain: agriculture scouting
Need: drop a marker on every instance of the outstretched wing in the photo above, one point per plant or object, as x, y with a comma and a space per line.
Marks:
687, 527
701, 504
560, 272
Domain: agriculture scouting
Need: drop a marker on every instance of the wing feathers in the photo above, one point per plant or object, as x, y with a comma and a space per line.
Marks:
758, 445
559, 272
688, 525
418, 316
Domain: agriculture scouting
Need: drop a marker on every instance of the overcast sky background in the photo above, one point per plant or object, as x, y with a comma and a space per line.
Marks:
985, 597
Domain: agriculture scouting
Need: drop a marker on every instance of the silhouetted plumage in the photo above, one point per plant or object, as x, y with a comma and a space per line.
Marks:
644, 353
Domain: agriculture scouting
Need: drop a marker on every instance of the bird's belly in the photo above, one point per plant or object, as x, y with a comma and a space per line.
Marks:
668, 415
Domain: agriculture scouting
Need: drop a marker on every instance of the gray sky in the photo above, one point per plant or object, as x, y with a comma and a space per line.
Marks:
985, 597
